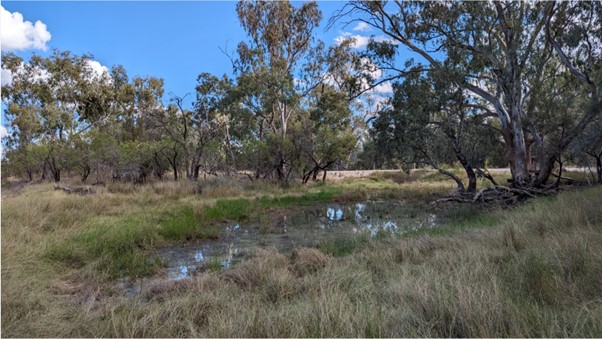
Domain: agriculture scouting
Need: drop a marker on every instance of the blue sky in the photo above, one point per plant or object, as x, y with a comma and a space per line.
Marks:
172, 40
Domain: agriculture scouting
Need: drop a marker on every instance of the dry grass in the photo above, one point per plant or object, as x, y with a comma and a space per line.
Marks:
537, 273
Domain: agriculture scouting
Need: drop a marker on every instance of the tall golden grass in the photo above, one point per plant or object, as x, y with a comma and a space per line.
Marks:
537, 272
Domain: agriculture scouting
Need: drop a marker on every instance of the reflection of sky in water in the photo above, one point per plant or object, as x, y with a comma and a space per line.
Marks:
429, 221
301, 226
363, 219
334, 214
184, 272
359, 209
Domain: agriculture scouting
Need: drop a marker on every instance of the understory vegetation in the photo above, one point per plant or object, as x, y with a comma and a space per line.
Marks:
533, 270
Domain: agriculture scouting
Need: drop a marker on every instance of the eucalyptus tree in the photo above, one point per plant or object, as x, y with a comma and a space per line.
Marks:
445, 128
47, 102
193, 137
574, 30
496, 49
275, 70
212, 115
588, 148
326, 135
279, 72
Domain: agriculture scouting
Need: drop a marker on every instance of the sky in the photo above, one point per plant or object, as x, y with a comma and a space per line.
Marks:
175, 41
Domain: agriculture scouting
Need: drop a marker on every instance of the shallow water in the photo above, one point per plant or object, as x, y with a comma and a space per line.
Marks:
299, 226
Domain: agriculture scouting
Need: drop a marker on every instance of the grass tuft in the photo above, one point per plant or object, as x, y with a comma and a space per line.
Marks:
342, 245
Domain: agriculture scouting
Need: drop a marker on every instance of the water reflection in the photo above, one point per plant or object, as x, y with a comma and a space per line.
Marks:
334, 214
295, 227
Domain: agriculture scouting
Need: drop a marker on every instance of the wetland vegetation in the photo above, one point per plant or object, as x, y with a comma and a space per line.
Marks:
87, 265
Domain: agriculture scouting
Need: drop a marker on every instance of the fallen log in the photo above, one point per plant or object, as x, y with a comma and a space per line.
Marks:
498, 194
79, 190
448, 199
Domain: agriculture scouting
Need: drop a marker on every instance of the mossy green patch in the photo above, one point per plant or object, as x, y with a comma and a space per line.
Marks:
114, 246
183, 224
228, 209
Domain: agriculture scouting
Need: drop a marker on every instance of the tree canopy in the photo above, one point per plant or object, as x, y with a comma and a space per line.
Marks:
502, 82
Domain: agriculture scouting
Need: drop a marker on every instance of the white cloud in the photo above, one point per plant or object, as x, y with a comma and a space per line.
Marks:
39, 75
17, 34
384, 88
361, 26
370, 68
360, 41
6, 77
98, 70
3, 132
95, 72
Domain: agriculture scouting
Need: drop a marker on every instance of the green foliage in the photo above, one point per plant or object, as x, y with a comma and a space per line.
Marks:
182, 223
244, 209
228, 209
470, 48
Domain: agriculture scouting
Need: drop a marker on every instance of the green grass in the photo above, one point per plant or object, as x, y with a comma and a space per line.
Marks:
228, 209
242, 209
113, 246
120, 246
325, 194
182, 223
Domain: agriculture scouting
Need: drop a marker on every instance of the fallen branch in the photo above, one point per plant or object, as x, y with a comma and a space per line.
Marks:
79, 190
480, 195
454, 198
563, 178
518, 191
497, 194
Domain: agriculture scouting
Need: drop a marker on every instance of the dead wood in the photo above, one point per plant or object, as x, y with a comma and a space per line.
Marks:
79, 190
498, 195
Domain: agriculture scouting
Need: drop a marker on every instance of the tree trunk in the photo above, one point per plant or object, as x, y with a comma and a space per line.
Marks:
192, 171
195, 172
472, 179
281, 170
175, 171
43, 177
517, 155
56, 172
559, 172
461, 189
599, 166
305, 177
86, 173
315, 175
546, 167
